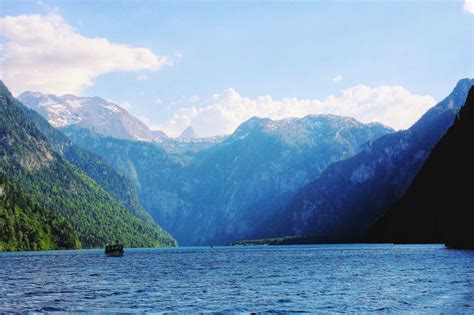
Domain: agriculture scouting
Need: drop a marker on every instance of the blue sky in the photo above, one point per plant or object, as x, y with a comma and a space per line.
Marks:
279, 49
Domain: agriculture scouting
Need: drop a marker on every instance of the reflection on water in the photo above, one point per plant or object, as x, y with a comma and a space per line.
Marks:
284, 278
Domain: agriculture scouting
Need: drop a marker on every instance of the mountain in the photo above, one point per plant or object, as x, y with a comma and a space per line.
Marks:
439, 205
219, 194
350, 195
157, 135
188, 133
38, 166
116, 184
189, 145
24, 225
94, 113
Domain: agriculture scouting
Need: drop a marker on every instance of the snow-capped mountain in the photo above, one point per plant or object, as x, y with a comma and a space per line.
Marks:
93, 113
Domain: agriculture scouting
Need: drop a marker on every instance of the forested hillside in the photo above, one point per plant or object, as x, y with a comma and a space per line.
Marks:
24, 225
29, 160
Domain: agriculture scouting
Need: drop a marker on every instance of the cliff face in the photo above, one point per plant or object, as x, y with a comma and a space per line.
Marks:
439, 205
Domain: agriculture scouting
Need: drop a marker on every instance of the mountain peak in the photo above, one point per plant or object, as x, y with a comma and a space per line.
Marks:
188, 133
94, 113
158, 134
299, 126
464, 84
69, 96
4, 90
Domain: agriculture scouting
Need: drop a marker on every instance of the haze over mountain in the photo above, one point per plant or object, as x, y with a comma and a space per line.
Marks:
221, 193
439, 205
53, 172
350, 195
94, 113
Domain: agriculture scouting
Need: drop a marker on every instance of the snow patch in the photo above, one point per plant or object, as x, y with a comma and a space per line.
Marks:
58, 107
77, 103
47, 101
111, 108
245, 135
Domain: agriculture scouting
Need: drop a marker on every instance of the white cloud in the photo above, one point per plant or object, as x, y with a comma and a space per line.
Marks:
390, 105
193, 98
143, 77
42, 5
178, 56
44, 53
338, 78
47, 8
158, 101
469, 6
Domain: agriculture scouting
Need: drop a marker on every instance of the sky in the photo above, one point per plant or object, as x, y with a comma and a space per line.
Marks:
214, 64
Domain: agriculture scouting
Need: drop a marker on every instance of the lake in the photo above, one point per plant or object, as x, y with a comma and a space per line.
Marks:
316, 278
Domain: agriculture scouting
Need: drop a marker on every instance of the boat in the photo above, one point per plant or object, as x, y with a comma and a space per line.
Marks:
114, 250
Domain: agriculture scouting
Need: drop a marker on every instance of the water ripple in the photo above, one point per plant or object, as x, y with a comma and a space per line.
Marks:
324, 278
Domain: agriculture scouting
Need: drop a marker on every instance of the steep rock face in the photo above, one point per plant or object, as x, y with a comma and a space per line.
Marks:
220, 194
350, 195
439, 205
94, 113
39, 168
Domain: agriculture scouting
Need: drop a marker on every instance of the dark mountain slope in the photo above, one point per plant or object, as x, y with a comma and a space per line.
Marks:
439, 205
25, 225
350, 195
28, 159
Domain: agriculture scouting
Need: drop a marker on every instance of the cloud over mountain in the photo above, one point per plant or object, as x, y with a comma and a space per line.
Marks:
44, 53
391, 105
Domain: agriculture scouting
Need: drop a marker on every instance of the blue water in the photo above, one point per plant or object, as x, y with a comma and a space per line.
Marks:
320, 278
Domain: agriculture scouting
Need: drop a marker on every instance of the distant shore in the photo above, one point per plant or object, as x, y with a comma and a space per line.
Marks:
291, 240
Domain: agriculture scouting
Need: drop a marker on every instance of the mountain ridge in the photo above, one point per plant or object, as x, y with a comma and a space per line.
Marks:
94, 113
